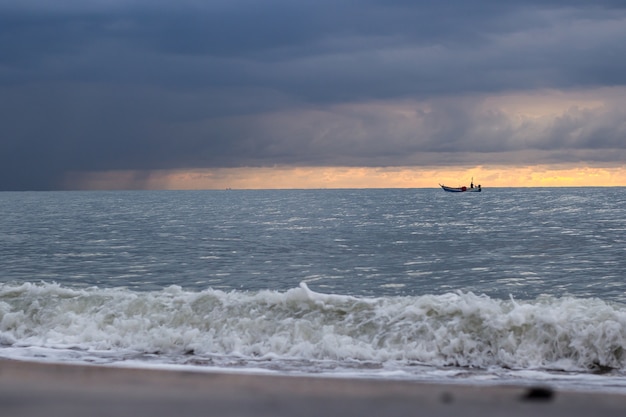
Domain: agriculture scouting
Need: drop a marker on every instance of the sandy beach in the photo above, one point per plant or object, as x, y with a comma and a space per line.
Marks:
33, 389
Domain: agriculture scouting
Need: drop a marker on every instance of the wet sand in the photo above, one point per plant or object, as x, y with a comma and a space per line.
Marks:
31, 389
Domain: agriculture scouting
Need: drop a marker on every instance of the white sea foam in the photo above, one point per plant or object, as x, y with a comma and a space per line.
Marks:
303, 326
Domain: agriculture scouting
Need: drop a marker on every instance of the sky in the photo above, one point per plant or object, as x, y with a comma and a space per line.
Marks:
197, 94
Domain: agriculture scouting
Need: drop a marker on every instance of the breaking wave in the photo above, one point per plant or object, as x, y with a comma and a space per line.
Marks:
453, 329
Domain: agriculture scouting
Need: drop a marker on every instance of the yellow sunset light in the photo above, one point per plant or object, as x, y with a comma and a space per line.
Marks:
347, 177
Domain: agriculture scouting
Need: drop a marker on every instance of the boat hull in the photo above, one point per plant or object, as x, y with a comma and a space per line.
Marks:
461, 189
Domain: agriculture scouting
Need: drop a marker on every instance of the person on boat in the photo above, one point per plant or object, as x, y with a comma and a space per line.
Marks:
472, 184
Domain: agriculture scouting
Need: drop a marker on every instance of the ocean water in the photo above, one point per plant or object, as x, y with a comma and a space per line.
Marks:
507, 286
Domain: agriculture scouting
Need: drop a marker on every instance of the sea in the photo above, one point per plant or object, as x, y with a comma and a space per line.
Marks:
520, 286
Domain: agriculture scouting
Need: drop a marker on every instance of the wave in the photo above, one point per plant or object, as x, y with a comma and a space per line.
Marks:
452, 329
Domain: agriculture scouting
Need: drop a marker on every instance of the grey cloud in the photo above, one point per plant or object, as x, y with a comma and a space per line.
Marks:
88, 86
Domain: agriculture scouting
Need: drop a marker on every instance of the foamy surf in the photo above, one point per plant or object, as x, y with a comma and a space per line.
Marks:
303, 330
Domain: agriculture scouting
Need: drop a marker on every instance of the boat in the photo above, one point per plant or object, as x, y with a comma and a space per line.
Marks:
463, 189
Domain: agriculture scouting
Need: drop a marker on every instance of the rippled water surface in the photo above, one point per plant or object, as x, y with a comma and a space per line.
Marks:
503, 285
519, 242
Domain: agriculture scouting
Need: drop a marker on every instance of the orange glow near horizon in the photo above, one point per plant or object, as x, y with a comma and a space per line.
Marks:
344, 177
528, 113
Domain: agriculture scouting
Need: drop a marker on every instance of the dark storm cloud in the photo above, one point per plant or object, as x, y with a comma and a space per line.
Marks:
141, 85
